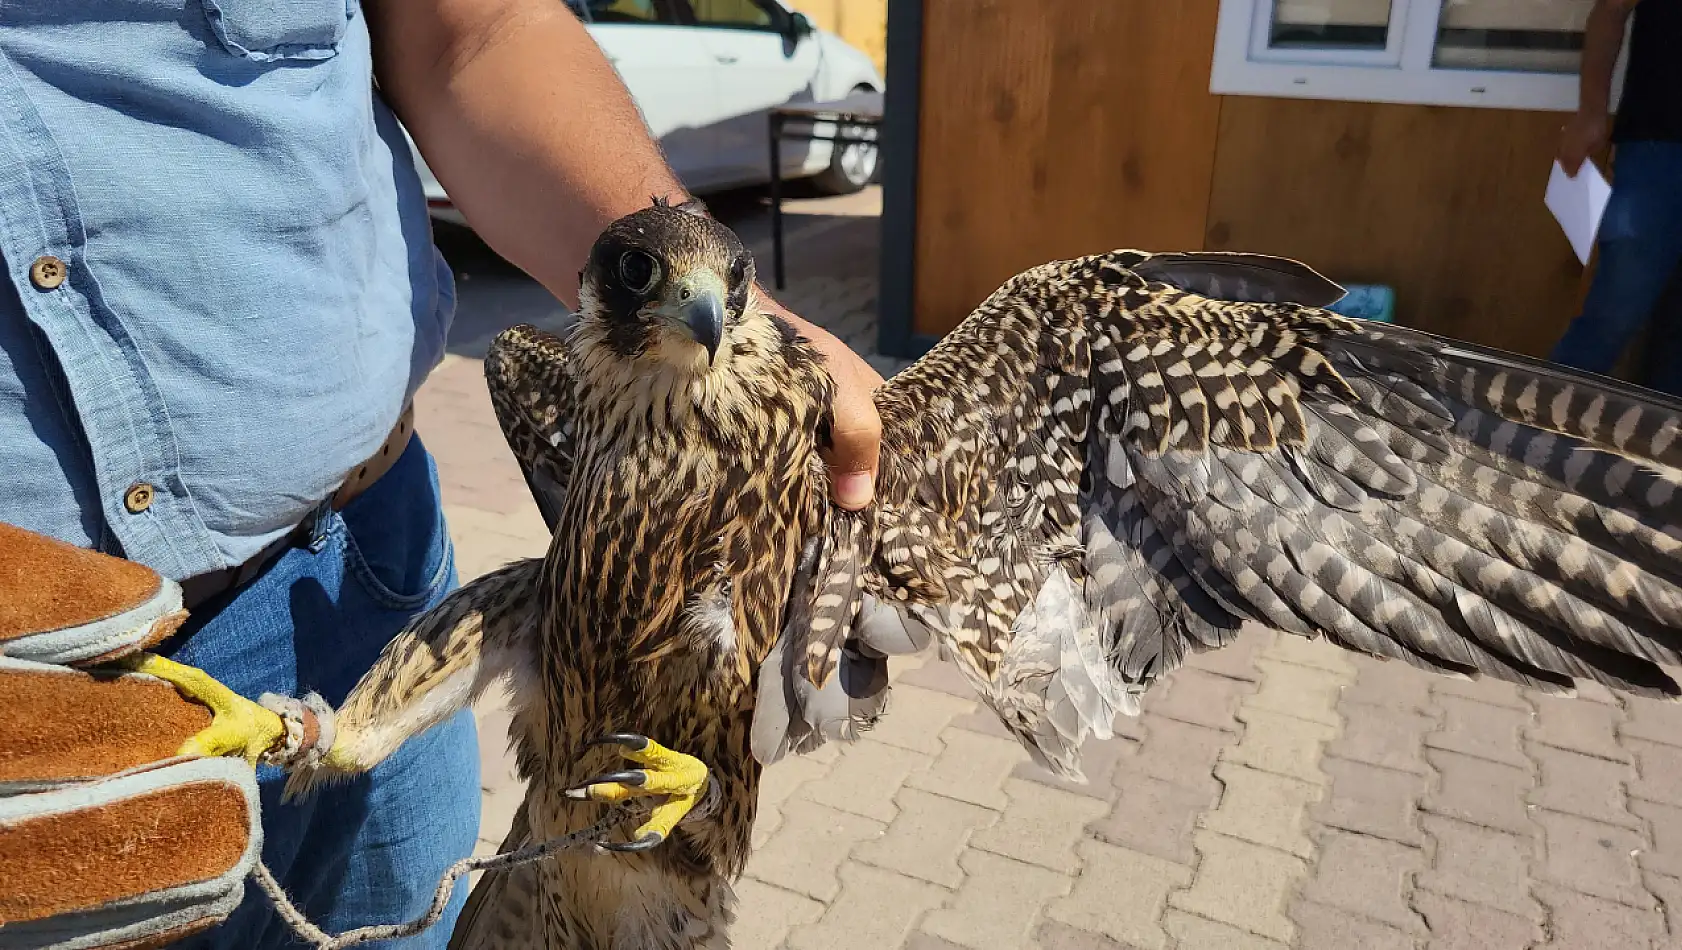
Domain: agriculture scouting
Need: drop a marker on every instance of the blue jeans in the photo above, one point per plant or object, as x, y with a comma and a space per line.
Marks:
1636, 284
369, 851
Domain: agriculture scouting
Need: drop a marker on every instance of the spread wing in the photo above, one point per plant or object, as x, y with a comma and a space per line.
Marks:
525, 369
1103, 469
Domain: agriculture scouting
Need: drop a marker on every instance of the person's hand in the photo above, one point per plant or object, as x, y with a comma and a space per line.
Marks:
1585, 134
857, 429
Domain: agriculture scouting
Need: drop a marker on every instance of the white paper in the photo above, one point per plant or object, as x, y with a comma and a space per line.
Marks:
1578, 204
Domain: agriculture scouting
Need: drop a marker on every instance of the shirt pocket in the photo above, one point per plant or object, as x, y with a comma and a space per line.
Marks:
273, 30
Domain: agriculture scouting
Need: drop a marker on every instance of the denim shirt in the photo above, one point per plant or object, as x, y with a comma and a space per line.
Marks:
248, 291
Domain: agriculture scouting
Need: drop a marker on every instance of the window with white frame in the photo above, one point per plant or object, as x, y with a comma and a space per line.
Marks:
1510, 54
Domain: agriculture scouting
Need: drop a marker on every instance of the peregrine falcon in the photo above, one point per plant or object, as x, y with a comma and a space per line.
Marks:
1113, 462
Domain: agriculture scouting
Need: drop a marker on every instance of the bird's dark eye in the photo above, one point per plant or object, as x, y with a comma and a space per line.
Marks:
638, 271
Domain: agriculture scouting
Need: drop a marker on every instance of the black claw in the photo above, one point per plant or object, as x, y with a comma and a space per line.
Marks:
648, 840
629, 740
635, 779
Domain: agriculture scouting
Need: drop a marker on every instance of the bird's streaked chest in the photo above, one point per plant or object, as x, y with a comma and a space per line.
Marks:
682, 548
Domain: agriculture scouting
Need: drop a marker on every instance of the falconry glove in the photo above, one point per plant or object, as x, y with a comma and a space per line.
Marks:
109, 835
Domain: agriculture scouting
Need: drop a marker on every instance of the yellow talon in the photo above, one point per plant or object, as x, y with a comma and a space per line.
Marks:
682, 779
238, 726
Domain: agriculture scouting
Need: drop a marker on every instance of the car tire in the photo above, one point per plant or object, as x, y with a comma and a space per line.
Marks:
853, 164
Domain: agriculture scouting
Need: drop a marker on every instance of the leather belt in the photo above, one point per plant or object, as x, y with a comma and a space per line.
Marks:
202, 587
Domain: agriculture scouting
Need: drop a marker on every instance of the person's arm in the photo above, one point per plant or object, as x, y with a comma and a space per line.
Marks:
540, 146
1603, 37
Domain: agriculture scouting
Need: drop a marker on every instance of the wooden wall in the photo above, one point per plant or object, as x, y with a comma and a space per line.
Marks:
1050, 128
1053, 128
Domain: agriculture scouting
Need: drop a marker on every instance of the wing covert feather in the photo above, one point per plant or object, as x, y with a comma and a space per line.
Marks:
531, 394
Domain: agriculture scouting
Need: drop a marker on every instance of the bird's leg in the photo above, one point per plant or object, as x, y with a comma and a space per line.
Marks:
682, 779
238, 726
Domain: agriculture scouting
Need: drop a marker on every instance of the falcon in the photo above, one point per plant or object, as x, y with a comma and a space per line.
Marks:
1115, 461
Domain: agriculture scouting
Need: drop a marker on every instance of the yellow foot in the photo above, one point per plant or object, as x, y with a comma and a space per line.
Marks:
237, 727
680, 778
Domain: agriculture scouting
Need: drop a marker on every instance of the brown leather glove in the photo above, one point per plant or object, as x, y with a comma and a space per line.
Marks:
108, 836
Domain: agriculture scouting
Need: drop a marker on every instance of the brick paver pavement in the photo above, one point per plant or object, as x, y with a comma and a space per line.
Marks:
1279, 793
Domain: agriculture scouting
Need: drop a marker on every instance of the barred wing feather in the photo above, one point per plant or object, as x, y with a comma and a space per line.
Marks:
1101, 471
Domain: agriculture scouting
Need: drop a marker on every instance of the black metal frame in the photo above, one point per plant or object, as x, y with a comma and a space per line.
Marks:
779, 132
901, 108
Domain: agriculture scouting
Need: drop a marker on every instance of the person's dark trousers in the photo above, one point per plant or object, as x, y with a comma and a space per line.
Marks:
1640, 246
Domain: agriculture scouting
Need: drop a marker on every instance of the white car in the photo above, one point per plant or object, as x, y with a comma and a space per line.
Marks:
705, 74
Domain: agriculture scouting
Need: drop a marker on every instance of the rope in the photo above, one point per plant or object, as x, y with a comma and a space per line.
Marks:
321, 940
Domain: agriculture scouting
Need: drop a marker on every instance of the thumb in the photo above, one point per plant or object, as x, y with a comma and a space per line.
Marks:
855, 448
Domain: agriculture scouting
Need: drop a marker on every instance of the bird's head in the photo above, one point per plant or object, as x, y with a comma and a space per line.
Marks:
667, 286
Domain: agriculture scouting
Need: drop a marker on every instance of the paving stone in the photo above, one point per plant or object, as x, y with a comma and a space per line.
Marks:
1583, 785
923, 941
1582, 922
1120, 894
1052, 935
998, 904
765, 915
972, 768
1155, 817
1129, 727
1325, 928
875, 908
1665, 821
1660, 769
1480, 791
1305, 652
1366, 876
1242, 884
1481, 730
1653, 720
1191, 932
942, 677
982, 720
1578, 725
1040, 826
1590, 691
1669, 892
1485, 689
1099, 760
865, 779
1281, 744
1179, 753
915, 718
1458, 925
1372, 801
1236, 660
1305, 692
1480, 865
1199, 698
1263, 808
1592, 857
928, 836
779, 782
1383, 737
813, 842
1390, 685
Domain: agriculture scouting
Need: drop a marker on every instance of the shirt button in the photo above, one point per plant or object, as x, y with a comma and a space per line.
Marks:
138, 499
48, 272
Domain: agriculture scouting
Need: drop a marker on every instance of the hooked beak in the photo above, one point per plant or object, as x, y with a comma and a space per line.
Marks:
697, 302
704, 315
